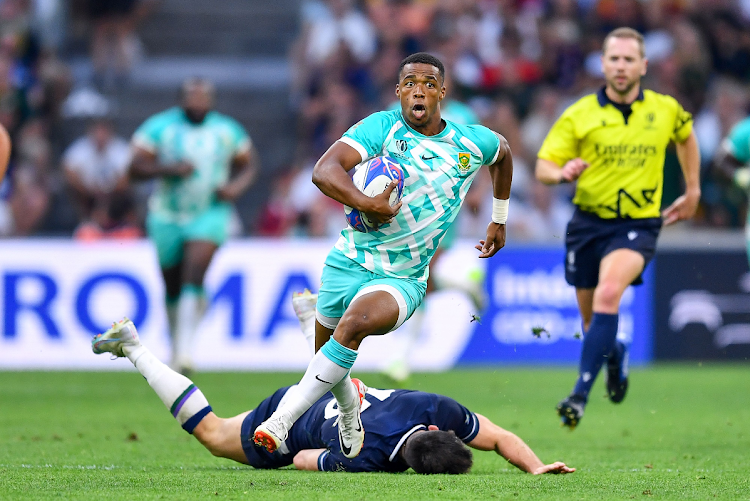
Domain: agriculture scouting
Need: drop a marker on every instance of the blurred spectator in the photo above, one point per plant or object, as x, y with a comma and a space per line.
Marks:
113, 44
278, 215
730, 45
542, 217
29, 177
13, 103
95, 167
113, 218
337, 24
337, 42
545, 109
726, 105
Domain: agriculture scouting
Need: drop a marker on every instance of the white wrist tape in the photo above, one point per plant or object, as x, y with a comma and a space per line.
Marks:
499, 211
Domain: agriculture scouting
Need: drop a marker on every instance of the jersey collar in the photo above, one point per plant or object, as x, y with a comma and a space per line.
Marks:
604, 99
406, 435
439, 135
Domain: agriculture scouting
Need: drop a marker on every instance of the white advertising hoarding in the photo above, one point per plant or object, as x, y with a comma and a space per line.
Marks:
56, 294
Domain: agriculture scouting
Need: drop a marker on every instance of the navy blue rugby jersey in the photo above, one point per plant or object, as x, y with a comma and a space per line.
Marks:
388, 416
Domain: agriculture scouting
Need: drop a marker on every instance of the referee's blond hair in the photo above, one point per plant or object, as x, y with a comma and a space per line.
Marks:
625, 32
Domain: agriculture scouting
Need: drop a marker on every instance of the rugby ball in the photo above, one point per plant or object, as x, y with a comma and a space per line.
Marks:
372, 178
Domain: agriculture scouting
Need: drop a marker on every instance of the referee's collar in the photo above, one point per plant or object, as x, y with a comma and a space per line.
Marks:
604, 99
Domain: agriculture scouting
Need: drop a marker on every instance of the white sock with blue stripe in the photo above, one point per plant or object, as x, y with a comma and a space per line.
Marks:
183, 399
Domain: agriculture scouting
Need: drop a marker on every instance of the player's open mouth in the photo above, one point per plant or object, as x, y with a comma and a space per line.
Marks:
418, 110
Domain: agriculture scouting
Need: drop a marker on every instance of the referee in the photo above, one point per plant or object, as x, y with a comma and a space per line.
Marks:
613, 144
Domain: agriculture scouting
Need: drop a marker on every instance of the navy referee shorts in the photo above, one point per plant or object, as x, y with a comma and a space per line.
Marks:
589, 238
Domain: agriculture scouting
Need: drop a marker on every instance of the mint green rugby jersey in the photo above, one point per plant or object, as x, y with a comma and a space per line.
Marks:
209, 147
438, 171
738, 144
738, 141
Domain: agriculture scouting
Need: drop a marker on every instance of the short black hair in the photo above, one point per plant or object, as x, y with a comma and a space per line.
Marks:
192, 82
424, 58
437, 451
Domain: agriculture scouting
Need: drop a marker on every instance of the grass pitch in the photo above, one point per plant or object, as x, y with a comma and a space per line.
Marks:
683, 432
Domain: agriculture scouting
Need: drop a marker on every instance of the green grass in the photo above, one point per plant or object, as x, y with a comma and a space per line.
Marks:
682, 433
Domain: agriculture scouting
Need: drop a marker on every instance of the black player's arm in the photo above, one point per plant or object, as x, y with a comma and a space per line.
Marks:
725, 164
501, 171
501, 174
308, 459
245, 167
145, 165
330, 175
493, 438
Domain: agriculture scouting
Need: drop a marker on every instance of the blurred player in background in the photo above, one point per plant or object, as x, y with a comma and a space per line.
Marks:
372, 282
203, 161
613, 143
732, 162
424, 431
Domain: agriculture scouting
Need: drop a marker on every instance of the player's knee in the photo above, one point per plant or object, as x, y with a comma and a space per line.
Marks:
212, 438
607, 295
299, 462
350, 332
215, 445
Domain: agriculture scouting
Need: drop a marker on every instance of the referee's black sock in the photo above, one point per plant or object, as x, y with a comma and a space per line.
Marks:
598, 343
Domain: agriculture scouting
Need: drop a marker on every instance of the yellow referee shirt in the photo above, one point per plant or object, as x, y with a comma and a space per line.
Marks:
624, 146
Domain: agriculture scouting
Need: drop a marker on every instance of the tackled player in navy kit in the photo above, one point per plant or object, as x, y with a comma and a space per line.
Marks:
424, 431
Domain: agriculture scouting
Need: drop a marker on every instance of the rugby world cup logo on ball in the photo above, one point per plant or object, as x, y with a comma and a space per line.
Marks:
372, 178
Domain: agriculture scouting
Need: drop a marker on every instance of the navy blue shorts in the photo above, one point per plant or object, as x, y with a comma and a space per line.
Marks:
589, 238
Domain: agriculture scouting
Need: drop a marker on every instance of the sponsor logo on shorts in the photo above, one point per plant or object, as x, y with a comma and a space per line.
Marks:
571, 261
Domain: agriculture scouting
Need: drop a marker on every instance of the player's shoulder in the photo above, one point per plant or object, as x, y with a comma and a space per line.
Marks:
218, 118
164, 118
659, 100
479, 136
468, 130
583, 106
386, 118
172, 114
380, 121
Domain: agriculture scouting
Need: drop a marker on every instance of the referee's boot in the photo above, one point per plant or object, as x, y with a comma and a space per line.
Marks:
570, 410
617, 373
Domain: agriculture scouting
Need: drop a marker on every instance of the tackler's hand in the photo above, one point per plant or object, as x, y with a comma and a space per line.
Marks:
558, 467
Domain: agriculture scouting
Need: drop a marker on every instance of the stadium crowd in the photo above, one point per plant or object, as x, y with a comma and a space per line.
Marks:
516, 63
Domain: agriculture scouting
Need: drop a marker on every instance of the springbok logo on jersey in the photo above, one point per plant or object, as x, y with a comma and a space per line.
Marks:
463, 162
